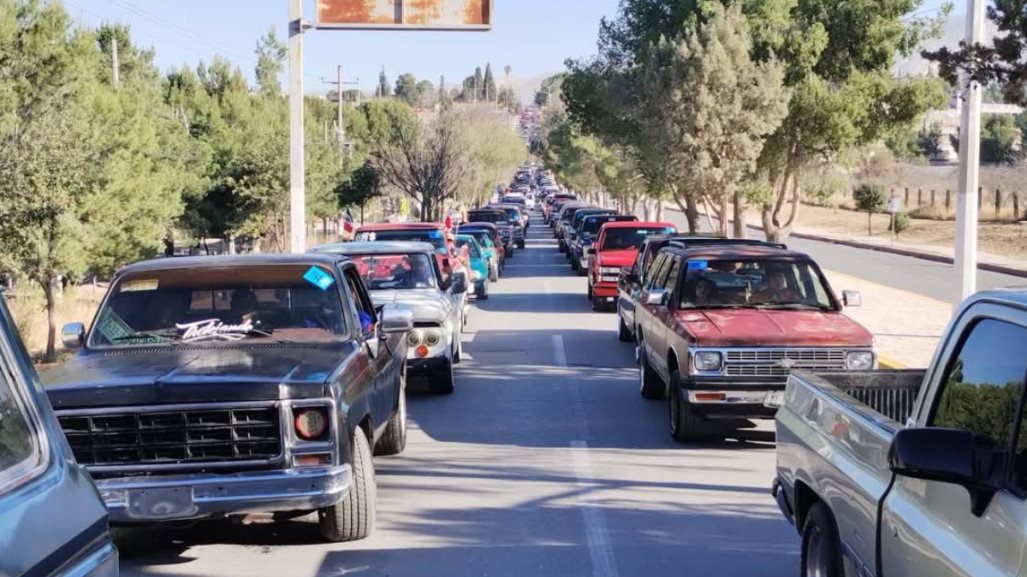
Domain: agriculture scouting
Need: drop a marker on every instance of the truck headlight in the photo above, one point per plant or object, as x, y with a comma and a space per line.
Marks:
859, 360
414, 338
706, 361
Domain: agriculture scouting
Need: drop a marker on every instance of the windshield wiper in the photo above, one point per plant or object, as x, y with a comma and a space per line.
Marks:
792, 305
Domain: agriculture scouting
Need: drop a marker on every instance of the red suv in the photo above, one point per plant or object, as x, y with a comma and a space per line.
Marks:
615, 248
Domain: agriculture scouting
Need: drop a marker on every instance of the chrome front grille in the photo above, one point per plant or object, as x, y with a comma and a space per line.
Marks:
174, 436
778, 362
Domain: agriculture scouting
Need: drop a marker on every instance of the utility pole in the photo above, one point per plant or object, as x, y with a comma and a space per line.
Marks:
297, 158
969, 163
340, 123
115, 66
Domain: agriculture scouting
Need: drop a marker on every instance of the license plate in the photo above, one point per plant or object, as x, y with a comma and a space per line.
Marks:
774, 399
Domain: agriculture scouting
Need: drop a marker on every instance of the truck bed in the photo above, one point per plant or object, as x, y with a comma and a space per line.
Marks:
833, 435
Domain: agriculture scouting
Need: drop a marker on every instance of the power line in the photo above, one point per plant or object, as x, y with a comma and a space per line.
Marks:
177, 29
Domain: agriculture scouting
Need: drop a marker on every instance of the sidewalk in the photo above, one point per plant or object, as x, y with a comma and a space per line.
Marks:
906, 326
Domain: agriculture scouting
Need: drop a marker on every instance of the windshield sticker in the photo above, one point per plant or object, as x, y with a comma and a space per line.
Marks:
112, 327
319, 278
435, 234
698, 265
132, 286
214, 329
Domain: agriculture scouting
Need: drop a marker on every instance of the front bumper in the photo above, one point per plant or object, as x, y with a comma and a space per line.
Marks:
181, 497
734, 397
427, 365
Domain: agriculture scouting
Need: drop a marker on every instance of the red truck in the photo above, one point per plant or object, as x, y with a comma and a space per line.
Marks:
433, 233
616, 247
719, 328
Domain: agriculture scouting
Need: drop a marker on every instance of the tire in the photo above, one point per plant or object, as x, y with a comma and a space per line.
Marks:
820, 550
394, 439
483, 294
494, 274
441, 383
521, 244
589, 294
353, 518
599, 305
574, 265
650, 385
685, 425
622, 330
581, 271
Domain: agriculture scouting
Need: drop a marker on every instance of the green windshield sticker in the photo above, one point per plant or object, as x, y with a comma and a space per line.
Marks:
112, 327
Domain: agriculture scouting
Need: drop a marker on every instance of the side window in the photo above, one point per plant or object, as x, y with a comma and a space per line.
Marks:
672, 278
360, 299
653, 272
19, 449
982, 389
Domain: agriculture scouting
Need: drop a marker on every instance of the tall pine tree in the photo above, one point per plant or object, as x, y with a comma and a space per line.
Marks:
479, 84
490, 85
383, 89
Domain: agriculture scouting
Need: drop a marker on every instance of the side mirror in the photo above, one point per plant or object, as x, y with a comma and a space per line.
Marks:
459, 284
590, 250
943, 455
73, 335
656, 297
395, 319
852, 298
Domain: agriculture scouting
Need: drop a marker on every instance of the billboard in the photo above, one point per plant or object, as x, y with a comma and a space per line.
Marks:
405, 14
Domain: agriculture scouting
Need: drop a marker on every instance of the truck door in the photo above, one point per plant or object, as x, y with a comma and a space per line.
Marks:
928, 527
648, 321
380, 392
664, 323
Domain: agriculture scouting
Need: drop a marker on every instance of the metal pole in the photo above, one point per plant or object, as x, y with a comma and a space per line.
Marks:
338, 98
115, 65
969, 165
297, 158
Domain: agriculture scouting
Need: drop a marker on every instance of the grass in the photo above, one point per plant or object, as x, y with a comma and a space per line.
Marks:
28, 309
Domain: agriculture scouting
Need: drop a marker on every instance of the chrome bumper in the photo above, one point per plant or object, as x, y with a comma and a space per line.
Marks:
180, 497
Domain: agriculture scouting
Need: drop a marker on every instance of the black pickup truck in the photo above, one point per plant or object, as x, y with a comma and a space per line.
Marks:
215, 386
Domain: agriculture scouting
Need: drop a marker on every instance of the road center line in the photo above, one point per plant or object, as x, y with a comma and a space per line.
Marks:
559, 352
604, 563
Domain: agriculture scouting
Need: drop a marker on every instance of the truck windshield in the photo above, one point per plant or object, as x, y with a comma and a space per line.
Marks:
396, 271
180, 306
432, 236
625, 238
759, 283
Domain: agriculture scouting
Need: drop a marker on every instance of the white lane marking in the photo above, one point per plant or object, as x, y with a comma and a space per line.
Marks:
548, 286
559, 352
467, 338
604, 563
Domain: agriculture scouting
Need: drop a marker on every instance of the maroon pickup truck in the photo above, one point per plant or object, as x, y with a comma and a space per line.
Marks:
719, 328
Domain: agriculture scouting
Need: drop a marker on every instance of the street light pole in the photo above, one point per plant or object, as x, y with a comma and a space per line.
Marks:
969, 164
297, 154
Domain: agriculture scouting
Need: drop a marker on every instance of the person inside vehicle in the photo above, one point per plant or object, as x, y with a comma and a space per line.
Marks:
776, 290
704, 292
244, 305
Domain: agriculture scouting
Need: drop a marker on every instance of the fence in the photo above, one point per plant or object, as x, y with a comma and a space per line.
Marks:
994, 204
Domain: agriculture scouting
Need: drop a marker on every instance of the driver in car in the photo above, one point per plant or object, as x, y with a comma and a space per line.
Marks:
776, 290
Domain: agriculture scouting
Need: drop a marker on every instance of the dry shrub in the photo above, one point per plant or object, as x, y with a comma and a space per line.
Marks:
27, 308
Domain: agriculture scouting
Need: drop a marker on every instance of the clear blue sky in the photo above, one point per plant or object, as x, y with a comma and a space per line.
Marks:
532, 36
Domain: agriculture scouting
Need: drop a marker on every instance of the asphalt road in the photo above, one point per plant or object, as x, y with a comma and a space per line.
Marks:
932, 279
544, 462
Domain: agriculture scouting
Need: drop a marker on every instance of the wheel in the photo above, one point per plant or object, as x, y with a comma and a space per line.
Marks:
581, 271
494, 274
521, 244
563, 247
820, 551
483, 293
599, 304
589, 294
394, 439
622, 330
353, 517
441, 383
574, 264
650, 385
458, 348
685, 425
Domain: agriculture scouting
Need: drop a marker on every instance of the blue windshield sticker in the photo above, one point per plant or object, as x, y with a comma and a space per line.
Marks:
319, 278
435, 234
697, 265
670, 230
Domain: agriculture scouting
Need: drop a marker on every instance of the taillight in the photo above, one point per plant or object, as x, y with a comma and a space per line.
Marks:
311, 423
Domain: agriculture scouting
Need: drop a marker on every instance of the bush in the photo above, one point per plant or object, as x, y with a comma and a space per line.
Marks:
901, 222
871, 198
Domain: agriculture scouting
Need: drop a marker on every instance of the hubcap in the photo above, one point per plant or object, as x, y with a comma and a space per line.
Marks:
816, 563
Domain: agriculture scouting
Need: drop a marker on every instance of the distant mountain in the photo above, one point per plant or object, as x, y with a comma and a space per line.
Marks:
953, 31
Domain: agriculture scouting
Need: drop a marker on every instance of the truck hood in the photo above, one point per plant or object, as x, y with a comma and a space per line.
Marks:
163, 375
770, 328
428, 305
621, 258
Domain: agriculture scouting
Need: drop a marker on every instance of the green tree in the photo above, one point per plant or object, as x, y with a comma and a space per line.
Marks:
479, 85
271, 54
870, 198
364, 184
406, 89
929, 141
999, 138
489, 88
383, 89
718, 106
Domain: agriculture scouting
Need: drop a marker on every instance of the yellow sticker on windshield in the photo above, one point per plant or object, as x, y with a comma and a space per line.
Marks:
133, 286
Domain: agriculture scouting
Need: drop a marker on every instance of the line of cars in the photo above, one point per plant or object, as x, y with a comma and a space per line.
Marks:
208, 387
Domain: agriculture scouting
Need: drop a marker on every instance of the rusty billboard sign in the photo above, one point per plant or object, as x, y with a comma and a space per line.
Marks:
404, 14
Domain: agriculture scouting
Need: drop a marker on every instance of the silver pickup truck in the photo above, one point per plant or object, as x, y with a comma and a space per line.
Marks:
914, 473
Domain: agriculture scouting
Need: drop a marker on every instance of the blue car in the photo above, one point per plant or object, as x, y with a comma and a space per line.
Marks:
479, 265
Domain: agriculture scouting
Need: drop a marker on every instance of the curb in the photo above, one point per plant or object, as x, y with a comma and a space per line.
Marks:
889, 363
